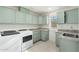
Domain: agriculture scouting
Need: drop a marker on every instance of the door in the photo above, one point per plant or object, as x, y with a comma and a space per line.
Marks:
20, 17
7, 15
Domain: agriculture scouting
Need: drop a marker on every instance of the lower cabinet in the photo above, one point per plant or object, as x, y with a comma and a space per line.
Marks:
66, 45
42, 35
36, 35
58, 37
45, 35
78, 46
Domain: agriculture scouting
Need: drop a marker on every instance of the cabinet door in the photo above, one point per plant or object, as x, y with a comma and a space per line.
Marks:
60, 17
39, 35
35, 19
20, 17
30, 20
72, 16
24, 10
78, 15
7, 15
44, 20
36, 36
67, 45
44, 35
77, 46
27, 18
58, 37
40, 20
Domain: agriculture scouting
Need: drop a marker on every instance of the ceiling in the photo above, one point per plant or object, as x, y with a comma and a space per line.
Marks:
46, 9
43, 9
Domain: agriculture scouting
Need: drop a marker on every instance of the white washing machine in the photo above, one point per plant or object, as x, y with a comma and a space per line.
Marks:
27, 41
15, 41
10, 41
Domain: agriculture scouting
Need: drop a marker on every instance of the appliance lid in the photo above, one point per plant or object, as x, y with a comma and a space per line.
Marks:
10, 32
71, 35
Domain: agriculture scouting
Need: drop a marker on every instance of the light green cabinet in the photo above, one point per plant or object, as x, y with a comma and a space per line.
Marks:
40, 20
24, 10
60, 19
72, 16
78, 46
36, 35
67, 45
20, 17
78, 15
7, 15
29, 19
68, 16
58, 37
44, 35
35, 20
44, 19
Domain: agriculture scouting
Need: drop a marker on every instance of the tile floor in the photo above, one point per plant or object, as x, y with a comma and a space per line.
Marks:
47, 46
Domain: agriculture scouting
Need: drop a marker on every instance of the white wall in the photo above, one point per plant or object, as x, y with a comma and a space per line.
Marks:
68, 26
4, 27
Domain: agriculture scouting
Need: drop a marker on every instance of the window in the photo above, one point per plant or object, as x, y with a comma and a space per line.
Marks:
53, 21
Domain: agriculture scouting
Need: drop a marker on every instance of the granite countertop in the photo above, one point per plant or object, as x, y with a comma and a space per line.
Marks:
32, 29
70, 31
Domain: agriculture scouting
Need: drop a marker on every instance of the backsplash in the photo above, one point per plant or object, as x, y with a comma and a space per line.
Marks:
68, 26
4, 27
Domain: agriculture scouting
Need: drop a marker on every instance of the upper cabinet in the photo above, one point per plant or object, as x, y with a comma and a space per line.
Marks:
72, 16
35, 19
68, 16
30, 19
42, 20
23, 10
61, 18
7, 15
20, 17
